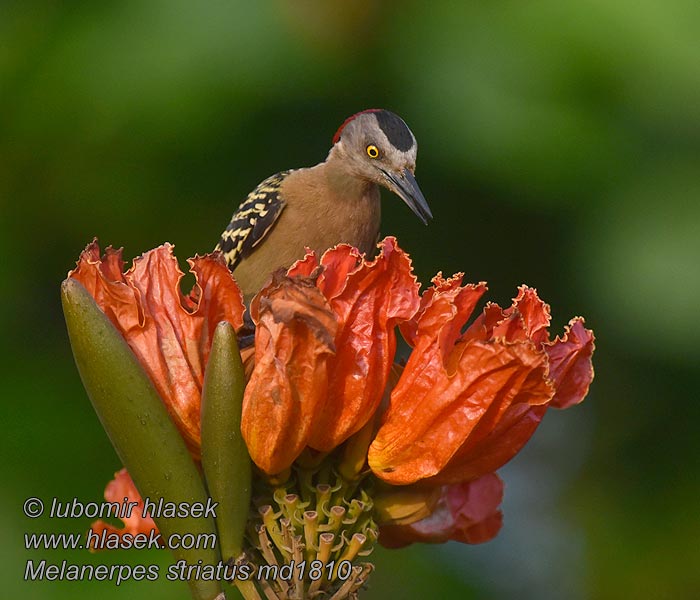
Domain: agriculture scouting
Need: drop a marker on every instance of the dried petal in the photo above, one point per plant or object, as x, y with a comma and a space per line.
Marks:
466, 512
169, 333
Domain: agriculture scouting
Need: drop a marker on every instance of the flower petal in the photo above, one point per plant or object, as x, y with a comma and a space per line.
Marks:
432, 413
304, 267
466, 512
454, 386
119, 490
169, 333
534, 312
369, 299
294, 341
103, 277
571, 364
492, 445
338, 264
446, 303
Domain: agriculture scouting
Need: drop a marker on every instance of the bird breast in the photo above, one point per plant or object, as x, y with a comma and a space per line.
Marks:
320, 212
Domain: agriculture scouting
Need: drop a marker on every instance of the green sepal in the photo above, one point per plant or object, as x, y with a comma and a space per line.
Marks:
138, 425
225, 458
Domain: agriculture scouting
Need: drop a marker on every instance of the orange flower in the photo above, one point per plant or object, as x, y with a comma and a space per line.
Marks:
170, 333
324, 346
467, 403
294, 342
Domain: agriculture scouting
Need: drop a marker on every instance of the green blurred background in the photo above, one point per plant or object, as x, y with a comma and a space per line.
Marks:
559, 146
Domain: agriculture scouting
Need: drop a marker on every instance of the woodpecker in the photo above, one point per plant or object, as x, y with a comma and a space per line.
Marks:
318, 207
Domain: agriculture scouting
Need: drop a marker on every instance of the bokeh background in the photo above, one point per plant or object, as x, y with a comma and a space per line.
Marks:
559, 146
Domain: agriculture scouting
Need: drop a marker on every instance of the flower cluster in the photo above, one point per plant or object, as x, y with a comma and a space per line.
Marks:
430, 433
466, 401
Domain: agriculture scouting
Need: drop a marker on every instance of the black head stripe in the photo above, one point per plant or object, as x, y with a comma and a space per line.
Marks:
395, 130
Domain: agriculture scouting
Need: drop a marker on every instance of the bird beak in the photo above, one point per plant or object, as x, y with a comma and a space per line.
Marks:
406, 187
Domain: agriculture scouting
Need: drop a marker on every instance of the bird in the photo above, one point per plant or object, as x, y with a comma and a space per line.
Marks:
336, 201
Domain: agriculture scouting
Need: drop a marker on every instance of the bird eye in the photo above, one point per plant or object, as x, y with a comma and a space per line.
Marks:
372, 151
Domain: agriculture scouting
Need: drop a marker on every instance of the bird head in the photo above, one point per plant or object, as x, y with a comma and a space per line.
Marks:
376, 145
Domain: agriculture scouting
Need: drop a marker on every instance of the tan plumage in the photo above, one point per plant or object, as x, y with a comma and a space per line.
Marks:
335, 201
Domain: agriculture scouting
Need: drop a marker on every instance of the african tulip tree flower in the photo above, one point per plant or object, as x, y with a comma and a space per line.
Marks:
467, 403
325, 338
349, 443
170, 333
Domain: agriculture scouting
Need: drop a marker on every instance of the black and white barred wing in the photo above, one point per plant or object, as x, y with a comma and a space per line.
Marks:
255, 217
